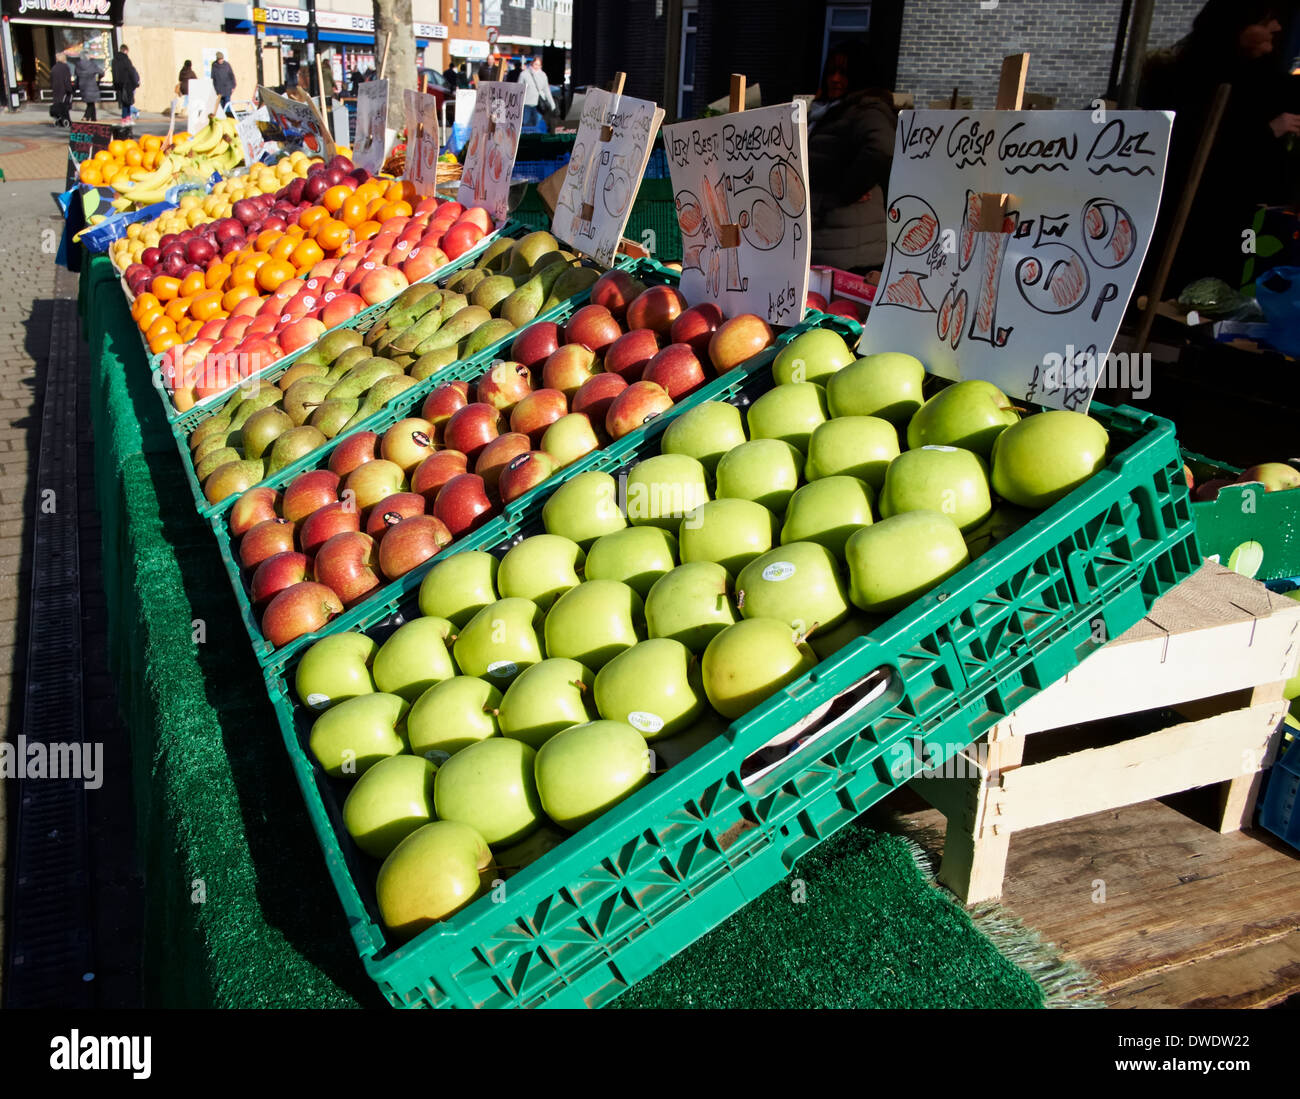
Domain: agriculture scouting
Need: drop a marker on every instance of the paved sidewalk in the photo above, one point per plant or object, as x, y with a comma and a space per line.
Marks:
32, 147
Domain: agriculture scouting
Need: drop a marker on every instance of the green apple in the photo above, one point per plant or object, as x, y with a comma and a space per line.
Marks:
452, 715
671, 751
653, 686
587, 770
827, 512
594, 622
540, 568
827, 643
814, 356
860, 446
547, 698
335, 668
887, 384
459, 586
638, 556
584, 508
500, 641
388, 803
353, 736
705, 432
661, 490
690, 605
763, 470
1044, 458
432, 874
512, 859
414, 658
945, 479
901, 558
798, 584
788, 412
970, 415
730, 531
751, 660
490, 786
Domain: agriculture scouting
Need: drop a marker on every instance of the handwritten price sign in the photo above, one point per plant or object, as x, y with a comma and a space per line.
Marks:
490, 153
1030, 300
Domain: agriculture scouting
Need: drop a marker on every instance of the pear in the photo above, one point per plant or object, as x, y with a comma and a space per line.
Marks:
263, 428
361, 377
345, 362
485, 335
421, 297
572, 281
431, 362
408, 339
262, 397
233, 477
452, 304
214, 460
464, 282
331, 416
303, 397
544, 261
495, 256
455, 330
298, 372
526, 302
492, 291
380, 394
373, 336
528, 249
331, 345
214, 426
216, 442
292, 445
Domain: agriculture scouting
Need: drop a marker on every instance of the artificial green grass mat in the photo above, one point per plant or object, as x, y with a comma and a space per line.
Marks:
240, 912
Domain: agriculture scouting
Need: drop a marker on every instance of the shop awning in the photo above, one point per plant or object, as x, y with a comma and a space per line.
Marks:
277, 30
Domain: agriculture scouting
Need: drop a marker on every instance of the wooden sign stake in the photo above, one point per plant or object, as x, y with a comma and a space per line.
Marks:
616, 85
320, 83
728, 231
383, 61
501, 70
1011, 97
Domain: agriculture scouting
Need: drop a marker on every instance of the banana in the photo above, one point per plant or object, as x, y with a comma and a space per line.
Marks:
208, 138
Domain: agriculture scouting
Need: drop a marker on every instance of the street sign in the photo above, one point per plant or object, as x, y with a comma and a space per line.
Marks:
492, 36
259, 15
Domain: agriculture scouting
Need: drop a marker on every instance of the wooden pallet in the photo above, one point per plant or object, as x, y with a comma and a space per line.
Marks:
1217, 649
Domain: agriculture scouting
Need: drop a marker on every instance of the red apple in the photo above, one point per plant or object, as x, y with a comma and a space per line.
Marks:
408, 442
301, 609
308, 492
371, 482
462, 504
534, 345
435, 471
323, 523
275, 574
615, 290
594, 327
410, 543
568, 367
737, 340
523, 473
536, 412
477, 215
391, 511
655, 308
269, 537
597, 394
628, 355
354, 450
253, 506
638, 404
497, 455
423, 260
301, 333
504, 386
696, 327
842, 307
815, 300
678, 369
341, 308
460, 238
473, 427
443, 403
346, 564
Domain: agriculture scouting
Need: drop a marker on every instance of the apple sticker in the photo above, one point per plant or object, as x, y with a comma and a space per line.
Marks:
318, 701
502, 668
645, 722
778, 570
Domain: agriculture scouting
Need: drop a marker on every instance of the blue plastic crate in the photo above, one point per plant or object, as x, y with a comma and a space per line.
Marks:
1277, 808
534, 171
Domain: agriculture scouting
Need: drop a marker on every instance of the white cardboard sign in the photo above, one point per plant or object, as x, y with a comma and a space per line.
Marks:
1033, 309
741, 186
422, 140
374, 136
610, 153
493, 141
300, 122
200, 104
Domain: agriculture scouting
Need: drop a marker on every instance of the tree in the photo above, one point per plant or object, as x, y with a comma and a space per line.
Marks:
395, 37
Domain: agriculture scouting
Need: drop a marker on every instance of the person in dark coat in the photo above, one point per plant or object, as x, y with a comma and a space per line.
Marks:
851, 131
125, 81
183, 81
223, 79
452, 77
88, 85
1232, 42
61, 89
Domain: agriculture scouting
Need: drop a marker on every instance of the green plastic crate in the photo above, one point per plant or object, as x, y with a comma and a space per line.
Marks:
641, 883
367, 316
654, 210
1254, 532
405, 405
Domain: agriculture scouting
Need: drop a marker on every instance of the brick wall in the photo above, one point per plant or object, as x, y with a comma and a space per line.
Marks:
947, 43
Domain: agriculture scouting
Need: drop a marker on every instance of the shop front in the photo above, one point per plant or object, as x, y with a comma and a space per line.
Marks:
36, 31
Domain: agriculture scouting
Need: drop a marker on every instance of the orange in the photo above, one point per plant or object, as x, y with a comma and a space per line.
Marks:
334, 198
143, 302
394, 191
206, 305
257, 259
192, 284
271, 274
165, 287
134, 157
151, 141
116, 148
90, 174
163, 343
236, 294
243, 275
145, 319
189, 330
353, 211
306, 255
375, 206
282, 248
160, 327
366, 230
215, 276
296, 231
178, 309
103, 157
266, 238
370, 190
312, 216
395, 210
332, 235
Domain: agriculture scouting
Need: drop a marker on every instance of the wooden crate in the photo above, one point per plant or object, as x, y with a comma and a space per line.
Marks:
1217, 649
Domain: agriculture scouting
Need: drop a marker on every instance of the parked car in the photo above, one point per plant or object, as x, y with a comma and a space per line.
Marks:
436, 85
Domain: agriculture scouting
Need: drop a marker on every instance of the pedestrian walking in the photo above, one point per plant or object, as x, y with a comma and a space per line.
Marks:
223, 80
125, 81
88, 85
537, 96
62, 89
